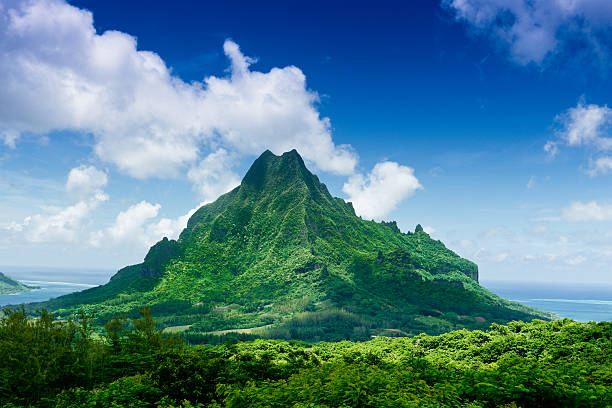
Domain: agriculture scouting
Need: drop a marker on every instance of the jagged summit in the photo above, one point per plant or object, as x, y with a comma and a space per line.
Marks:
280, 256
273, 172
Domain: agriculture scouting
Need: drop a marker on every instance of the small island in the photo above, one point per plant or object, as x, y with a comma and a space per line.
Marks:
9, 286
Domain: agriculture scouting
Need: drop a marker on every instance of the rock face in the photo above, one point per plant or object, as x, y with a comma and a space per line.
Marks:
284, 252
158, 256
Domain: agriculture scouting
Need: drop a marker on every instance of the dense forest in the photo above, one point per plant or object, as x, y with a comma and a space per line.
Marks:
46, 362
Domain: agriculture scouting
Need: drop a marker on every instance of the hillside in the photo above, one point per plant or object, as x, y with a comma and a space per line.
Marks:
278, 256
10, 286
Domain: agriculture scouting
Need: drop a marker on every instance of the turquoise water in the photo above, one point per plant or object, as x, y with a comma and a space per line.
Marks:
52, 282
579, 301
46, 291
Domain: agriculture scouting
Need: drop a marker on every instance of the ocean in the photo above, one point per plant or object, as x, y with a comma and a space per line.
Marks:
46, 291
582, 302
579, 301
52, 282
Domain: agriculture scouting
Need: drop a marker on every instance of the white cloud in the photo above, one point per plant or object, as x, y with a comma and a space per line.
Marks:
129, 223
65, 224
576, 260
479, 254
494, 232
57, 73
128, 226
381, 190
533, 31
552, 148
500, 257
591, 211
466, 243
601, 165
84, 181
62, 225
136, 227
585, 126
168, 227
429, 229
531, 182
9, 137
213, 175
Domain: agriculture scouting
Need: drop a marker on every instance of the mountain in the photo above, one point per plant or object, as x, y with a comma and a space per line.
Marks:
10, 286
278, 256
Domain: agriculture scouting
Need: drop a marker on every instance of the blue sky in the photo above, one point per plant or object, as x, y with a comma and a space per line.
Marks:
486, 121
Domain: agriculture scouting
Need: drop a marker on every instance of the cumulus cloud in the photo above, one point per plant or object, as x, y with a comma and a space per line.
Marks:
137, 227
129, 225
591, 211
84, 181
213, 175
533, 31
586, 125
589, 126
379, 193
65, 224
58, 73
169, 227
57, 225
429, 229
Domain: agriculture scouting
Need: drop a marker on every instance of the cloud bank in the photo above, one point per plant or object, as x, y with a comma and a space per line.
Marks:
533, 31
59, 74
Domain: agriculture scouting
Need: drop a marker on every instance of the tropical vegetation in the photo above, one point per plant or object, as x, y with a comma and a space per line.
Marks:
64, 364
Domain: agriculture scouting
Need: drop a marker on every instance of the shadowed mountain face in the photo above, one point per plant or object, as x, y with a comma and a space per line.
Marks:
278, 256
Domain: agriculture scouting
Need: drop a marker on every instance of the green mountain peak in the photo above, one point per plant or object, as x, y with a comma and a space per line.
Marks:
271, 173
279, 256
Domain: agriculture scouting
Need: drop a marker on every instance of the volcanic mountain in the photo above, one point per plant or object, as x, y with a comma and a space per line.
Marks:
278, 256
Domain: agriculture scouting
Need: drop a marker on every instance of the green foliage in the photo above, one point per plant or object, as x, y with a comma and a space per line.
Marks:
50, 363
41, 356
281, 257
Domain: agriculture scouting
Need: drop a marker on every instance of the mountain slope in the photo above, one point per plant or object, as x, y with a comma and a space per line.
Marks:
10, 286
281, 257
